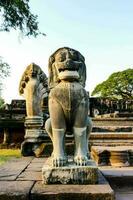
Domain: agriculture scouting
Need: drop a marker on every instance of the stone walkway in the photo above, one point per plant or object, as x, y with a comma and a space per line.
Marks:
20, 179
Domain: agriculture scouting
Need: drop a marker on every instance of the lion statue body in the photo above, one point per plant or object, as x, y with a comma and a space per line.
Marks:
68, 105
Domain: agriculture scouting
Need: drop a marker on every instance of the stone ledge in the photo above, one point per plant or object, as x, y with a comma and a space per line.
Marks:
118, 156
71, 192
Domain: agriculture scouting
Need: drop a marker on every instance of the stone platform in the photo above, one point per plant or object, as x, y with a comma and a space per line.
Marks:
22, 179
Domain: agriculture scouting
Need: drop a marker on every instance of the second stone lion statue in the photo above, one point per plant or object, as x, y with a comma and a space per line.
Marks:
68, 105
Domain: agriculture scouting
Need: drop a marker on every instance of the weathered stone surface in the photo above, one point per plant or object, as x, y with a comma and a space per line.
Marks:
33, 170
112, 129
113, 121
12, 169
34, 137
111, 139
70, 174
71, 192
33, 86
124, 196
131, 156
38, 160
100, 155
121, 180
30, 176
24, 189
117, 172
15, 190
34, 166
118, 156
113, 136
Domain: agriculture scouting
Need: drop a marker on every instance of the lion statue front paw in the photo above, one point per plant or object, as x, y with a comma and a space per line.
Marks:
58, 161
81, 160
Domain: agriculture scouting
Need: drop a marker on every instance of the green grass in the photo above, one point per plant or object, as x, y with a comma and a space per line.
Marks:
7, 154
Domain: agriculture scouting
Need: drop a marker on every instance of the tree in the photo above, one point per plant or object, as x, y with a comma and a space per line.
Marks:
1, 103
16, 14
119, 85
4, 72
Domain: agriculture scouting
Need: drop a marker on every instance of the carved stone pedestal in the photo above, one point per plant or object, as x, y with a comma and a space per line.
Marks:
77, 182
34, 136
70, 174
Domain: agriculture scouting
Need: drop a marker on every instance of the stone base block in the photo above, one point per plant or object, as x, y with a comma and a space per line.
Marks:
100, 191
72, 192
70, 174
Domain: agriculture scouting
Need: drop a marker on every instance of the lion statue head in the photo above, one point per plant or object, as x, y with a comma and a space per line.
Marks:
66, 63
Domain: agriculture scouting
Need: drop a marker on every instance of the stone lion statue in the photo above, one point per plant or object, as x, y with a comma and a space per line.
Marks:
68, 105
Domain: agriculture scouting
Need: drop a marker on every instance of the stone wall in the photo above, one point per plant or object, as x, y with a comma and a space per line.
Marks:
12, 119
105, 105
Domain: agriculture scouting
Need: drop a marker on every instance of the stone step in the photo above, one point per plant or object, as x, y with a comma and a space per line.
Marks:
111, 135
117, 156
112, 129
111, 138
121, 181
124, 114
112, 121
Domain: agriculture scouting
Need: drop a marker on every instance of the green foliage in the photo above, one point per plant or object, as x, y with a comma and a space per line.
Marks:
118, 86
7, 154
16, 14
4, 72
1, 103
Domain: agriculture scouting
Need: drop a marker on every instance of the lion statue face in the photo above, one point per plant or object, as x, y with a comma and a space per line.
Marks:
66, 64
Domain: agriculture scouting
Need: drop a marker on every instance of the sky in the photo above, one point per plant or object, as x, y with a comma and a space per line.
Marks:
101, 30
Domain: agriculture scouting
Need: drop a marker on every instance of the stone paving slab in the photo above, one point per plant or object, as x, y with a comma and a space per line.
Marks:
15, 190
119, 176
37, 160
30, 176
124, 193
124, 196
65, 192
12, 169
21, 183
34, 166
121, 180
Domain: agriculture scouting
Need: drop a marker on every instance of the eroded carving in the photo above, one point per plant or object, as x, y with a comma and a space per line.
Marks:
33, 87
68, 105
